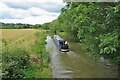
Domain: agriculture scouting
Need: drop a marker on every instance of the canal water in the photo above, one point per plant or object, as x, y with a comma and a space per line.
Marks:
75, 63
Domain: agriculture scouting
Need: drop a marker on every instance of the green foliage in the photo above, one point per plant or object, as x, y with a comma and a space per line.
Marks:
109, 45
36, 26
45, 26
4, 41
14, 62
96, 25
40, 47
40, 50
14, 26
19, 64
18, 26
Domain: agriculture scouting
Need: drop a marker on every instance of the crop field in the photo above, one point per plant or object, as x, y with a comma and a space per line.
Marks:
17, 37
16, 42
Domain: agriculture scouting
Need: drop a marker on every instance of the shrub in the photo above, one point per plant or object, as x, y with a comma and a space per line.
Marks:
14, 62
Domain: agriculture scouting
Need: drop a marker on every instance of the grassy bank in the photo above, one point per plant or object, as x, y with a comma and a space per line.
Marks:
25, 56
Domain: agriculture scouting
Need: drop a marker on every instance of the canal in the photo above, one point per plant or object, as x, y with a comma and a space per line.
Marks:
75, 63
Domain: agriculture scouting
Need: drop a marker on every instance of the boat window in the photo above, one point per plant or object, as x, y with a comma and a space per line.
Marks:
61, 42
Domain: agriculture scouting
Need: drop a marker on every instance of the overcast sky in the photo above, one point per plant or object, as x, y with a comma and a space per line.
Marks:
30, 11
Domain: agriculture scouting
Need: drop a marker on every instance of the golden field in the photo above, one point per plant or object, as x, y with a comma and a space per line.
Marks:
17, 37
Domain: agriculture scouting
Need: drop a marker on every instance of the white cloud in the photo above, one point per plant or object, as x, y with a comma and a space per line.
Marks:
27, 12
37, 11
6, 12
3, 6
31, 20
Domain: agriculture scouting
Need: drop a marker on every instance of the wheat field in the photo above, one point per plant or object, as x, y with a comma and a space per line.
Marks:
12, 38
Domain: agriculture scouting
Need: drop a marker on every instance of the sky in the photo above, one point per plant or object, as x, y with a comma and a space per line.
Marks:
30, 11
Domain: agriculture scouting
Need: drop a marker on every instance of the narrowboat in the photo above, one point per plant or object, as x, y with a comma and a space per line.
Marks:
61, 43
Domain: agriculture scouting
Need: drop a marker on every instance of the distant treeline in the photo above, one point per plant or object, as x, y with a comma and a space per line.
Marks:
17, 26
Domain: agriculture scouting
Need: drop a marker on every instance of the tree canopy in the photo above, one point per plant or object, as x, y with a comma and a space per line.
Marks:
96, 25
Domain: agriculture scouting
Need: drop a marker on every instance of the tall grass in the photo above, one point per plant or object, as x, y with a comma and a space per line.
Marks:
41, 69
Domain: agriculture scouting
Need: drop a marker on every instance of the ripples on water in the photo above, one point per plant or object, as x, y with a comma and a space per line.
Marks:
75, 64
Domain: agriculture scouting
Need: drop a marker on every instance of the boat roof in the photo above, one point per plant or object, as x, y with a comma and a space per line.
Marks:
58, 37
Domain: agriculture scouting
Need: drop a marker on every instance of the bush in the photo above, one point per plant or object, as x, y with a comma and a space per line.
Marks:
14, 62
